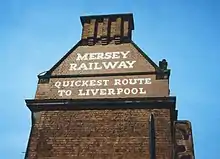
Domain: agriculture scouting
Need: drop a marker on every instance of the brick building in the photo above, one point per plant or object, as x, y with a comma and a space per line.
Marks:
106, 99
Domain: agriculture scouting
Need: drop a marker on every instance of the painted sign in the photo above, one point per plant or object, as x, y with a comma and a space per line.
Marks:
106, 87
85, 86
87, 61
102, 60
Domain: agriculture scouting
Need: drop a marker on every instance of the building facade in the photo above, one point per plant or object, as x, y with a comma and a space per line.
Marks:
106, 99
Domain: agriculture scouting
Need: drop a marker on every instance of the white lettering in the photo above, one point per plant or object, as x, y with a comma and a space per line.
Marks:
97, 67
117, 82
122, 64
105, 82
58, 84
115, 55
72, 67
134, 90
110, 65
148, 80
92, 83
103, 92
127, 91
102, 82
93, 87
130, 63
72, 83
68, 92
85, 83
142, 91
108, 55
82, 67
78, 83
102, 55
94, 91
60, 92
124, 81
80, 57
141, 80
81, 93
119, 91
102, 65
132, 81
111, 91
87, 92
64, 92
92, 56
124, 54
66, 83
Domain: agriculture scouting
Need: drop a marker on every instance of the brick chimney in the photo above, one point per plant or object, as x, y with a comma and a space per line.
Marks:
105, 29
104, 100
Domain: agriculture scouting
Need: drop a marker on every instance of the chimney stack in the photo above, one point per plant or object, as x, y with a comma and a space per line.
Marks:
107, 29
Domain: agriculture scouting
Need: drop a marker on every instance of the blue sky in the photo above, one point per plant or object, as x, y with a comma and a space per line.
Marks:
34, 35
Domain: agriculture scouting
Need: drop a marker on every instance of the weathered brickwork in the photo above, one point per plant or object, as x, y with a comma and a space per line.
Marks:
184, 140
106, 99
99, 134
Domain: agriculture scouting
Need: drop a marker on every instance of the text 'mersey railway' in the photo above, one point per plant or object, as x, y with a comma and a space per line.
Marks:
102, 87
104, 62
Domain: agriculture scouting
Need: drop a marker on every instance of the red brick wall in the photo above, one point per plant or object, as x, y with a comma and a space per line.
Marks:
99, 134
